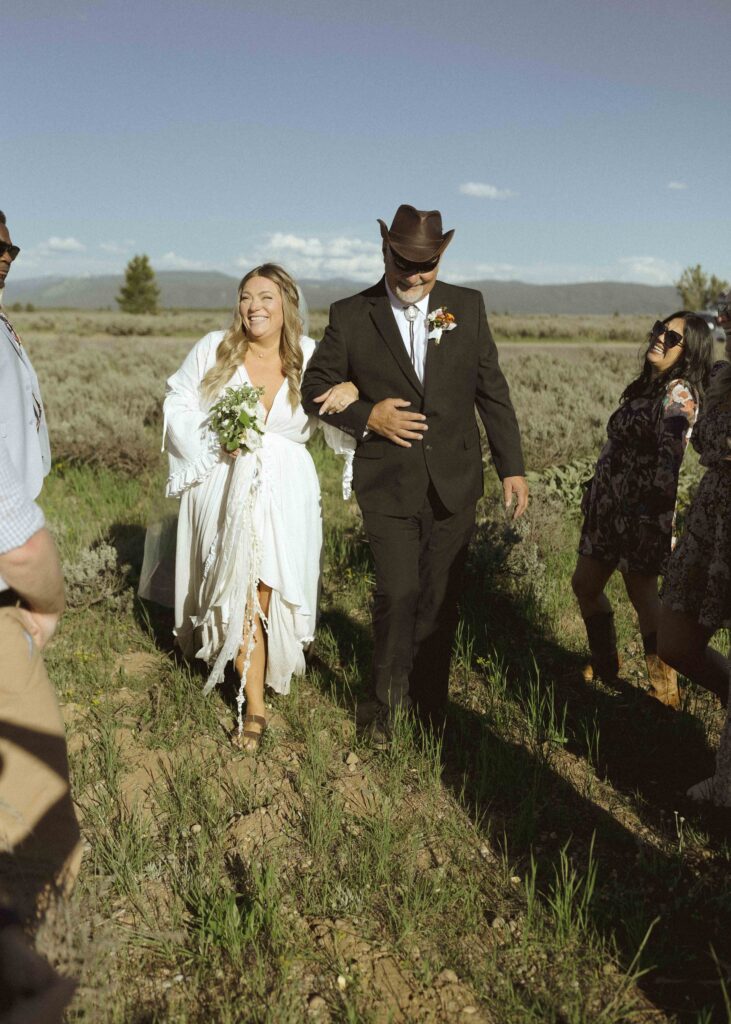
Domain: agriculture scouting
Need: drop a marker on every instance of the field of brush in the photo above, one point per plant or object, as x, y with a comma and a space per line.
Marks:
544, 866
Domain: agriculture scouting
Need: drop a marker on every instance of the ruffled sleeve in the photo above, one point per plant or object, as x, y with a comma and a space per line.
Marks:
344, 445
193, 449
340, 442
678, 415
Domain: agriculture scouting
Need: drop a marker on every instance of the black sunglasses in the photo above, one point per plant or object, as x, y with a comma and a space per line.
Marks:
408, 267
672, 338
11, 250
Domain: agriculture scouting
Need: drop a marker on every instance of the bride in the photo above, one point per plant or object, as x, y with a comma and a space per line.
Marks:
249, 539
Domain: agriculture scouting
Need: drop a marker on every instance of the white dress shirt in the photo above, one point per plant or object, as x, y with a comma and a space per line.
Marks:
420, 329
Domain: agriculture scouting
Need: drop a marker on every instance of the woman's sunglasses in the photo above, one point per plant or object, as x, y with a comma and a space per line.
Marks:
672, 338
7, 249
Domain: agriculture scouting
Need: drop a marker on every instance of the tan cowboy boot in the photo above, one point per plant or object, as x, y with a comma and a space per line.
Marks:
602, 639
663, 678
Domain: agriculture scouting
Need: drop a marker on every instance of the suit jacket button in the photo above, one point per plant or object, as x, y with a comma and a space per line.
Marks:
428, 447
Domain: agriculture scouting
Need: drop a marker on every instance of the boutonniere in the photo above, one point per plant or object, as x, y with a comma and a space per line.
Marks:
440, 320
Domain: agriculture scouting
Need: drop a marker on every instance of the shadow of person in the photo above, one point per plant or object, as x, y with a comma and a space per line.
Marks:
39, 828
346, 675
128, 540
648, 752
618, 768
150, 553
515, 796
158, 622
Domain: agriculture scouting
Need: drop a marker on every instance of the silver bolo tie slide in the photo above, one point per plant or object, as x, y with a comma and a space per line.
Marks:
411, 313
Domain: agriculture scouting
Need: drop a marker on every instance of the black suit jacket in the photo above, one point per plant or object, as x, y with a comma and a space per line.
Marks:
362, 343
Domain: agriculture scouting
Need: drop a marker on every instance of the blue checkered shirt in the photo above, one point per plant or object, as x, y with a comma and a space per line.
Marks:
20, 517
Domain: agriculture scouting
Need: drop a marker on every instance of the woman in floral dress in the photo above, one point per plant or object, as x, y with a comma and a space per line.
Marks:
629, 505
696, 593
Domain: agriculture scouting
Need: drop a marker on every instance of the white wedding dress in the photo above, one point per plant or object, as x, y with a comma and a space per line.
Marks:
245, 520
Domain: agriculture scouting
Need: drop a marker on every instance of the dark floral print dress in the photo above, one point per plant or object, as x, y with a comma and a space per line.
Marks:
698, 581
629, 506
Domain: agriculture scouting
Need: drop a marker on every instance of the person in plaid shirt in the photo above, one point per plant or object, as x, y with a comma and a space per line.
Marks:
22, 419
40, 841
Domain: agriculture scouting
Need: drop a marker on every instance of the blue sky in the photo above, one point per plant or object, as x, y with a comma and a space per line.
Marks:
564, 140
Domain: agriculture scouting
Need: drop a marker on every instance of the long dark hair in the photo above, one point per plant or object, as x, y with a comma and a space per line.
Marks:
694, 365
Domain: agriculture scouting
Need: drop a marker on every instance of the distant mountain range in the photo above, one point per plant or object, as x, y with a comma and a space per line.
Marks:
212, 290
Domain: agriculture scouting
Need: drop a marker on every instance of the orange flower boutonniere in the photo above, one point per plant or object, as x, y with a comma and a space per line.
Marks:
440, 320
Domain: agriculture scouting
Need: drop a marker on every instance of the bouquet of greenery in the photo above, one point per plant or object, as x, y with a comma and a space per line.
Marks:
234, 418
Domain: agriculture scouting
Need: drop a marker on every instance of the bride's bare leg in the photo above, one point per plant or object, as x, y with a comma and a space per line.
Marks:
257, 669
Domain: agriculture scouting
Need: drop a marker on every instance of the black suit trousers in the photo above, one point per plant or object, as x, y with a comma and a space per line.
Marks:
419, 561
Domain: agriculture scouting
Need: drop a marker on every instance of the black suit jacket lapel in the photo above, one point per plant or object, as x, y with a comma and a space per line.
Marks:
387, 327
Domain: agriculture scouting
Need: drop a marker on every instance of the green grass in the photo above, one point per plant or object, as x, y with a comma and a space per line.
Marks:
518, 869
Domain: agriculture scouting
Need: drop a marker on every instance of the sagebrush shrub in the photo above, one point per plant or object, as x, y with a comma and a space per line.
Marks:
96, 576
104, 399
104, 395
564, 399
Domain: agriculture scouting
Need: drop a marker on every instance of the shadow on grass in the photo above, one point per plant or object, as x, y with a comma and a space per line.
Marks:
32, 869
154, 618
645, 751
511, 790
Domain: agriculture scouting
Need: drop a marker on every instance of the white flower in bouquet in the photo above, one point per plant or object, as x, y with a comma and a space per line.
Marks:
252, 439
234, 418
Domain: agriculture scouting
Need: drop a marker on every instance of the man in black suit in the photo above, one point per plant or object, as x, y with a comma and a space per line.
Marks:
417, 467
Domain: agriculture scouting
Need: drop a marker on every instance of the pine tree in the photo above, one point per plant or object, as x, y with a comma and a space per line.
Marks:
140, 292
699, 291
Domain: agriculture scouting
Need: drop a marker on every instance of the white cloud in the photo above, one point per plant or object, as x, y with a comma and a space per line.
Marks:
320, 257
649, 270
293, 243
56, 244
117, 248
481, 190
171, 261
637, 269
677, 186
542, 273
499, 271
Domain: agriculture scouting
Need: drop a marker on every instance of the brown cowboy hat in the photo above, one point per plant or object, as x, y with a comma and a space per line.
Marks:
416, 235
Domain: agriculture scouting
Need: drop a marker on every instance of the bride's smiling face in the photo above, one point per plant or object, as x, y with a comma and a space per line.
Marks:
261, 309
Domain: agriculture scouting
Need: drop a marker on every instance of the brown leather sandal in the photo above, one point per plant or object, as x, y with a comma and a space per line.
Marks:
250, 734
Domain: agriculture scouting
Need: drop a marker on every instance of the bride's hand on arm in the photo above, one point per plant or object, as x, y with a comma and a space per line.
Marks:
338, 397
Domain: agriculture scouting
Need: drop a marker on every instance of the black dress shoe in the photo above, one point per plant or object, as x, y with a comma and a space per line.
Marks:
379, 731
433, 720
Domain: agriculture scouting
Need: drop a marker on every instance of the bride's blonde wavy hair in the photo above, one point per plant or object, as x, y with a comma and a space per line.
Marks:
234, 345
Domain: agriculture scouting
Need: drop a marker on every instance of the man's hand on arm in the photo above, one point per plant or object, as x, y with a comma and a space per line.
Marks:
34, 571
390, 419
515, 487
